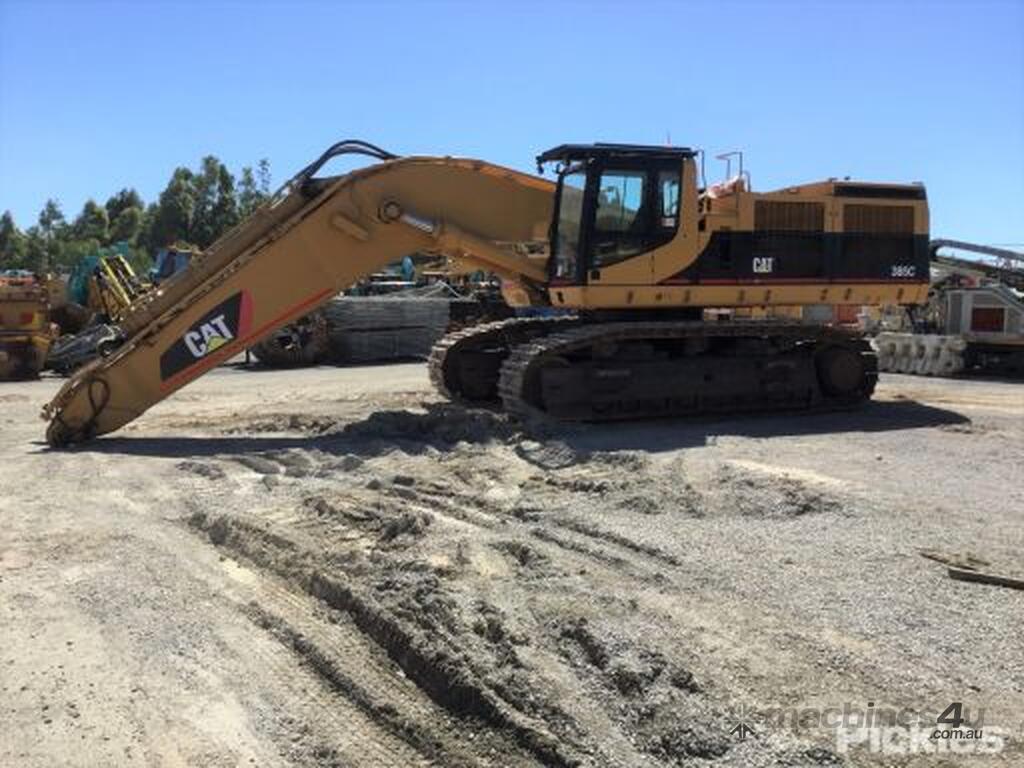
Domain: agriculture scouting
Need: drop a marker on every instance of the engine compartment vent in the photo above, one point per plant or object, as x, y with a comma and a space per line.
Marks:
776, 215
879, 219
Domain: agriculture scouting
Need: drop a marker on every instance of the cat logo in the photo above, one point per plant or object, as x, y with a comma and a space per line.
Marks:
221, 327
209, 337
764, 264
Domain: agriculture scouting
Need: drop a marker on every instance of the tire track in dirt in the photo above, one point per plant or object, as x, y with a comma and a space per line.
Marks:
350, 709
610, 537
594, 554
351, 664
334, 666
423, 519
319, 724
452, 507
660, 739
574, 535
436, 670
662, 708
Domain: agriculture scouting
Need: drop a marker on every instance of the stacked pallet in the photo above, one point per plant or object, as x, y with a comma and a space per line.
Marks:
370, 328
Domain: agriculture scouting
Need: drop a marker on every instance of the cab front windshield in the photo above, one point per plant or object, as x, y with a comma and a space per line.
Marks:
570, 220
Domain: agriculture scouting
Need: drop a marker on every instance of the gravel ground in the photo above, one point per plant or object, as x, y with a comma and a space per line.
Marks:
331, 567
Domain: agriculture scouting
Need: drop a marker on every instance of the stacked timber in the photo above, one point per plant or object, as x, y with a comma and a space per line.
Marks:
369, 328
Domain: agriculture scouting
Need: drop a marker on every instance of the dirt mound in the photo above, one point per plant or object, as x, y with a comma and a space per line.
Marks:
659, 704
283, 422
746, 493
441, 423
201, 468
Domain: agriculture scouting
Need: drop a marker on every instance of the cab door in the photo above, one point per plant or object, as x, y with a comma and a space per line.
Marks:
635, 210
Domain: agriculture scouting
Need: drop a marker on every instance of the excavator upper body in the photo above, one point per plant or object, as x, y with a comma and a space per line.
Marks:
625, 252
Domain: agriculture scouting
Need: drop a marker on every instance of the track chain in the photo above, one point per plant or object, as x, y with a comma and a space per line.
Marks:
510, 332
518, 364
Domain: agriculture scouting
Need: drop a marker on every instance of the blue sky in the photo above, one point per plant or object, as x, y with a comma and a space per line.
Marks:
95, 96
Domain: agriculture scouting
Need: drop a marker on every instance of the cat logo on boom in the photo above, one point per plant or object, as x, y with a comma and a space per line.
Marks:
209, 337
764, 264
227, 322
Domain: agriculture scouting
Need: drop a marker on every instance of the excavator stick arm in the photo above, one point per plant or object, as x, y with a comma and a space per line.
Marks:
314, 239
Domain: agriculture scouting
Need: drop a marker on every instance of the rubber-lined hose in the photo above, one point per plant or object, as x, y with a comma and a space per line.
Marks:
338, 149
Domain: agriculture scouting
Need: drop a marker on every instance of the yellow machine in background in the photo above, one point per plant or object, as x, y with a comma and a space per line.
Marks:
99, 294
627, 242
106, 285
26, 332
114, 287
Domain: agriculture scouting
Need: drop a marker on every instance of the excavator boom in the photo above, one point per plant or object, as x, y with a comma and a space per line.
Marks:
315, 238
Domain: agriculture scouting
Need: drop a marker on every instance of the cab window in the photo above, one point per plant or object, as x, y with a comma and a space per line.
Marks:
569, 227
636, 210
668, 189
620, 220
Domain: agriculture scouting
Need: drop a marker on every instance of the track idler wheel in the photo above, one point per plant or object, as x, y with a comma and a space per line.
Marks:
841, 371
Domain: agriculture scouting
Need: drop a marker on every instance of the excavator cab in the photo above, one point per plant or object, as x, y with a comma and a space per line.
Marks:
614, 202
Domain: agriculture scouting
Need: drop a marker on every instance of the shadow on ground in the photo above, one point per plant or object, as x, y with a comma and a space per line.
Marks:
686, 433
443, 424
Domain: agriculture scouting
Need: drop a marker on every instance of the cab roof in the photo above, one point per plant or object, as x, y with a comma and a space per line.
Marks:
569, 152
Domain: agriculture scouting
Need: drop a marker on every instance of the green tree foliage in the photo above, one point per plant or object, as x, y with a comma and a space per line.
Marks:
253, 188
196, 207
216, 205
48, 237
13, 244
51, 219
126, 227
225, 210
92, 223
122, 201
38, 253
263, 178
248, 194
203, 228
175, 211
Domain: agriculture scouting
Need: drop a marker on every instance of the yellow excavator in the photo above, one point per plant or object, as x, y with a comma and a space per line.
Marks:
26, 331
628, 242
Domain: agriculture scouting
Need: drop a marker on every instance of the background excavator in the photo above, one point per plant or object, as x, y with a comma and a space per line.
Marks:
628, 238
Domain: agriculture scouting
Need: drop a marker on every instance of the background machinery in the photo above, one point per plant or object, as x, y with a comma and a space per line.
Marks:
100, 291
972, 319
397, 313
170, 261
26, 332
628, 239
